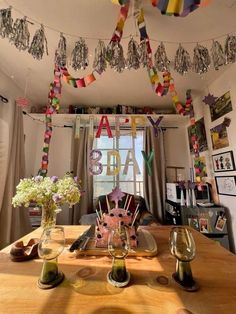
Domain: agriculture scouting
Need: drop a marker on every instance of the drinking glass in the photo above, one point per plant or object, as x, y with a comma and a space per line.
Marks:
182, 246
118, 247
50, 246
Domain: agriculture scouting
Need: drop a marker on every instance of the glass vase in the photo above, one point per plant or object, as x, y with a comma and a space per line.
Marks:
49, 217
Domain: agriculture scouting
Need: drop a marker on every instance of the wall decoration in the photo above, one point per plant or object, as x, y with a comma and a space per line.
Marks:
219, 137
226, 185
200, 166
223, 161
221, 106
209, 99
201, 135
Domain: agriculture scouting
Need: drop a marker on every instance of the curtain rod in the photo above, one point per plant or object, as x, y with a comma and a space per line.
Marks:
3, 99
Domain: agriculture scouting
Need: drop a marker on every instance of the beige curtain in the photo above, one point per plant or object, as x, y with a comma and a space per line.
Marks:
14, 222
154, 186
81, 150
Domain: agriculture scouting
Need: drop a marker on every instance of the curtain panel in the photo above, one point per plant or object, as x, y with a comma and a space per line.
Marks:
80, 152
14, 222
154, 185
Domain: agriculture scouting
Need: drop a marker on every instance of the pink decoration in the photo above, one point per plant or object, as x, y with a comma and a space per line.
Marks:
116, 195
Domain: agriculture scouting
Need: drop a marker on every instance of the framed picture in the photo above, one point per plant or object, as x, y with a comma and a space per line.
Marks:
223, 161
222, 106
226, 185
201, 135
203, 225
219, 136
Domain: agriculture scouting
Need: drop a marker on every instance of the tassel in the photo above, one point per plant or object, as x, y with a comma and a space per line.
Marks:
115, 56
218, 55
60, 56
161, 61
201, 59
20, 34
79, 55
5, 22
144, 57
132, 60
100, 63
182, 61
230, 49
37, 46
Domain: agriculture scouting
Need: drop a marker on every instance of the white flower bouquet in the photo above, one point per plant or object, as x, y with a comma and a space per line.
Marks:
48, 193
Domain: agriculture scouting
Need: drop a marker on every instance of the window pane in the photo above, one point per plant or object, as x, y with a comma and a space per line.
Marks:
127, 187
101, 189
125, 141
104, 142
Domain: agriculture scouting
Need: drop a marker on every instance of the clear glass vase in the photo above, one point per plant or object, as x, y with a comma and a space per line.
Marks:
49, 217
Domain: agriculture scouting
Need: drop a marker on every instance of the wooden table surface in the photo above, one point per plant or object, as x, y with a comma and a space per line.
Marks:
85, 288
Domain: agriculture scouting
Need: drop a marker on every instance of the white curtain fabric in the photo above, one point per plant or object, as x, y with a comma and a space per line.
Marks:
14, 222
81, 150
154, 186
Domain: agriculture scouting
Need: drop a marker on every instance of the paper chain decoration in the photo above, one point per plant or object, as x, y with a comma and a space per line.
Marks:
178, 7
117, 35
173, 7
160, 90
53, 107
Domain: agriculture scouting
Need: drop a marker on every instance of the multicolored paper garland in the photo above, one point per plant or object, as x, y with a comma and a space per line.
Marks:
116, 37
178, 7
52, 107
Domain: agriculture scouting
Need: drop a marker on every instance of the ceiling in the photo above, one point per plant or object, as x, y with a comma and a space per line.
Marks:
97, 19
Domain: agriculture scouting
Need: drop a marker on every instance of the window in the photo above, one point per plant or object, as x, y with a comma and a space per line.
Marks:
127, 147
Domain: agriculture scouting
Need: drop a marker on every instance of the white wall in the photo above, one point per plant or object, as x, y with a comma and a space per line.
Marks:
59, 150
177, 151
227, 82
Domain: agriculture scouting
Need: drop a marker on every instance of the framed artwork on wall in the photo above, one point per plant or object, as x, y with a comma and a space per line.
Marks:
226, 185
201, 135
223, 161
219, 137
222, 106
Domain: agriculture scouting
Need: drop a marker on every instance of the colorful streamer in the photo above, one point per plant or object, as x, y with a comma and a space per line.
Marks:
52, 107
116, 37
178, 7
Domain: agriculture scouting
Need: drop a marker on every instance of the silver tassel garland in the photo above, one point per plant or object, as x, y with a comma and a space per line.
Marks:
132, 61
144, 58
230, 49
115, 56
79, 56
161, 61
5, 22
60, 56
218, 56
37, 46
182, 63
100, 63
201, 59
20, 34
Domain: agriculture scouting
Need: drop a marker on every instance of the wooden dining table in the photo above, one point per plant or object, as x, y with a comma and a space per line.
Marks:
151, 289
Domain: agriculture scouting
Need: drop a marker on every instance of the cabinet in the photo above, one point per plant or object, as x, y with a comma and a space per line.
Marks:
203, 219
